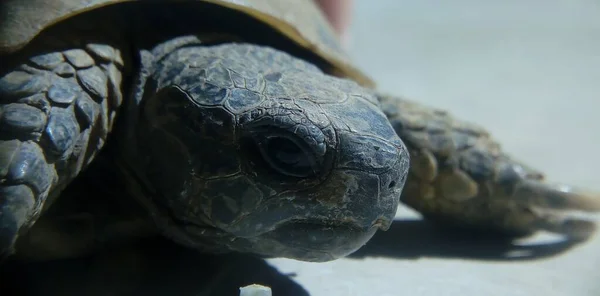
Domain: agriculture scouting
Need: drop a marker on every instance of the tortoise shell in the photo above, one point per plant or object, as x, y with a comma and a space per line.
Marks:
302, 22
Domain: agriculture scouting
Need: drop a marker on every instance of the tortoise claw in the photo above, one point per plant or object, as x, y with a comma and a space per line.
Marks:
533, 206
556, 196
571, 228
553, 206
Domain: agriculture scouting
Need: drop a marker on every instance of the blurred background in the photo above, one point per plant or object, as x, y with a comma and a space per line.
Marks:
529, 71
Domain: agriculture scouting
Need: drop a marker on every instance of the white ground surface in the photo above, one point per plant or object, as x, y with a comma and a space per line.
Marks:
527, 70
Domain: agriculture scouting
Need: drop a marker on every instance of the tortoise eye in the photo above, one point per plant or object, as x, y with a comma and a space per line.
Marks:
287, 156
284, 142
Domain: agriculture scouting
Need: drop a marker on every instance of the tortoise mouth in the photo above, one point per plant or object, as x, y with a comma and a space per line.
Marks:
320, 241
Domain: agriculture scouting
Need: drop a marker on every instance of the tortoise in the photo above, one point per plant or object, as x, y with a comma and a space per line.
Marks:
232, 126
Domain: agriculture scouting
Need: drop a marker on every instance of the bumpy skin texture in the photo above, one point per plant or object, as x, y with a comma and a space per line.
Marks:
240, 147
266, 153
56, 110
459, 176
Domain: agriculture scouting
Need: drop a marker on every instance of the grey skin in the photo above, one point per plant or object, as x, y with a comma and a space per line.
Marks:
278, 166
265, 153
233, 146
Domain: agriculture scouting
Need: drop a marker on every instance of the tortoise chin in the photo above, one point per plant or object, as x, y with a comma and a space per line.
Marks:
275, 157
313, 242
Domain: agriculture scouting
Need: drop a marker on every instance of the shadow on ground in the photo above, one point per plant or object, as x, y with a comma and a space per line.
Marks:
159, 267
413, 239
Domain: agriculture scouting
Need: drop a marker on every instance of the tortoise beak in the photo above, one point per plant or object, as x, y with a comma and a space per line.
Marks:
318, 242
383, 224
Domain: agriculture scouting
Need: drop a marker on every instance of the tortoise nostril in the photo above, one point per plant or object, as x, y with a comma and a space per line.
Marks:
392, 184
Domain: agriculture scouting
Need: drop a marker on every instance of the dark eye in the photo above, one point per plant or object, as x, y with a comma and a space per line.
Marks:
287, 156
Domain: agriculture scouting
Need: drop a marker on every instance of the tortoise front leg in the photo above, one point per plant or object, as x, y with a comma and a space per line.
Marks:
56, 109
460, 176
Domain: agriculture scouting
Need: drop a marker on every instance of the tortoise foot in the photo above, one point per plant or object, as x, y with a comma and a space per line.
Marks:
56, 109
459, 176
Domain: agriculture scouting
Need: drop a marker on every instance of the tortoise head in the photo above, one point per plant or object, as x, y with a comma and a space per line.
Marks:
252, 150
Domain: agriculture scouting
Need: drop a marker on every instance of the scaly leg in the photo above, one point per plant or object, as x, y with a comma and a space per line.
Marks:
460, 176
56, 110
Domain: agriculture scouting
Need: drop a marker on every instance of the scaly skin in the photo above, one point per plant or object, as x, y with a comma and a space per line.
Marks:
231, 147
460, 176
59, 97
58, 100
259, 152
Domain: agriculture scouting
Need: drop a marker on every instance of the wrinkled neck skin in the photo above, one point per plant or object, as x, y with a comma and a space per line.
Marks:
238, 147
131, 163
